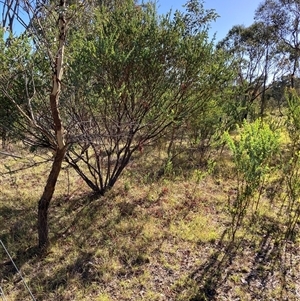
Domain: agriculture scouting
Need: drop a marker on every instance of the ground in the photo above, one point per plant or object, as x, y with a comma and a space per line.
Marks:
152, 237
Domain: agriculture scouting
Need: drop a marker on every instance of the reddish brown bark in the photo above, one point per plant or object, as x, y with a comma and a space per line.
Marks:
44, 201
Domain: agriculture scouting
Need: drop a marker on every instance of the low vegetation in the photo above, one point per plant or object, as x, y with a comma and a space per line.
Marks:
154, 236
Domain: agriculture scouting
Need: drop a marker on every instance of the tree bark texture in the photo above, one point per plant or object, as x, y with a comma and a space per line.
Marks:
44, 201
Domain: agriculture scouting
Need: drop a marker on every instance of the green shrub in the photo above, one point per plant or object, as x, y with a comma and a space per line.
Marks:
252, 151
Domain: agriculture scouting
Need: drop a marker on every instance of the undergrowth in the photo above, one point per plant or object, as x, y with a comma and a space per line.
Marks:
157, 235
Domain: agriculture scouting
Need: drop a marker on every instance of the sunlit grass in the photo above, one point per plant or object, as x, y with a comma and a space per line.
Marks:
197, 229
149, 238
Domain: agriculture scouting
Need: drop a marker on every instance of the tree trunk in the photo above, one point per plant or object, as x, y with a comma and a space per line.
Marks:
263, 96
3, 137
44, 201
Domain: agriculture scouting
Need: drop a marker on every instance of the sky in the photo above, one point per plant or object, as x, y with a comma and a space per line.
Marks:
232, 12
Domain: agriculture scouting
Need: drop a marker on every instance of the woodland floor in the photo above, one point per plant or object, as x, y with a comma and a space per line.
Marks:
150, 238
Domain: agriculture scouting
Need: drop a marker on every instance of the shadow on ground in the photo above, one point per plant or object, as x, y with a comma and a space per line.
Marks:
265, 267
90, 237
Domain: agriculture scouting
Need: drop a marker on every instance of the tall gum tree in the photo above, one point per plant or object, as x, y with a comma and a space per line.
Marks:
60, 151
52, 132
284, 17
253, 50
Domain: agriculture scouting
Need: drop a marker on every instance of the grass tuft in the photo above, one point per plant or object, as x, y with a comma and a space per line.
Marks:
154, 236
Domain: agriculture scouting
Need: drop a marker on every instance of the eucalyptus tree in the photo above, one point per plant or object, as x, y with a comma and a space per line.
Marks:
33, 126
284, 17
254, 54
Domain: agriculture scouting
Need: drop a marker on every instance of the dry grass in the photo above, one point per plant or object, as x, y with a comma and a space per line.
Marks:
152, 237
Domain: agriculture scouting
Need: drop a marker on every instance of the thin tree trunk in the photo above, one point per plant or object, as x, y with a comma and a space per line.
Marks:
263, 96
44, 201
3, 137
293, 74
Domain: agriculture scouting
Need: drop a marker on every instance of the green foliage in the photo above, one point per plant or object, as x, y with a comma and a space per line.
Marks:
293, 117
283, 18
168, 168
292, 164
14, 56
254, 54
292, 201
133, 74
130, 75
252, 152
